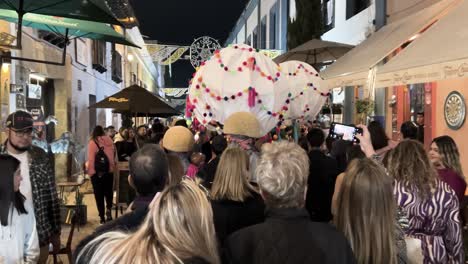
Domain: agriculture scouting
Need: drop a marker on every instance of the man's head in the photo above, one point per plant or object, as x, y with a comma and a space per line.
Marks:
409, 130
316, 137
110, 131
181, 122
218, 144
142, 131
19, 128
282, 173
420, 119
149, 170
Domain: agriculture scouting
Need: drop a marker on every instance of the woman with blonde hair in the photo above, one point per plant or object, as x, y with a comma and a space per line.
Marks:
366, 214
178, 229
235, 202
445, 157
430, 204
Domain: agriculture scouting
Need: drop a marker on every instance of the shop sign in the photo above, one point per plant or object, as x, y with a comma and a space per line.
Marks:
455, 110
118, 100
34, 91
16, 88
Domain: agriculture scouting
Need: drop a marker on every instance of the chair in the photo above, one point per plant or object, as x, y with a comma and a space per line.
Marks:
66, 250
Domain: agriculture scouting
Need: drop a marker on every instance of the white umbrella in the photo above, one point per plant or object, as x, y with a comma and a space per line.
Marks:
315, 51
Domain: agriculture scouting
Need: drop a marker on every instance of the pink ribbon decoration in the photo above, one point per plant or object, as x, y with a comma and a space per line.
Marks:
252, 95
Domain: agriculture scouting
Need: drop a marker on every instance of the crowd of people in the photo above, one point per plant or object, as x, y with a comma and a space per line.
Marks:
231, 195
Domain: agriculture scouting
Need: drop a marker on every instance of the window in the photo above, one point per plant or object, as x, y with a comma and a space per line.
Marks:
328, 7
79, 85
52, 38
263, 33
248, 41
272, 28
354, 7
99, 56
255, 37
116, 65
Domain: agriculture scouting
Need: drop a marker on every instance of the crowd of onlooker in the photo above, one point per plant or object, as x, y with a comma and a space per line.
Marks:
227, 194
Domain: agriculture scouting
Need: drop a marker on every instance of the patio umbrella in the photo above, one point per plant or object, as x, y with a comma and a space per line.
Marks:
137, 101
76, 28
65, 27
90, 10
315, 51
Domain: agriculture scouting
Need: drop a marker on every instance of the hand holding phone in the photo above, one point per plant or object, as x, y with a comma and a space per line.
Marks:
345, 132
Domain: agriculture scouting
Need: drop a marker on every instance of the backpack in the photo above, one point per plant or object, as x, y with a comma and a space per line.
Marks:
101, 161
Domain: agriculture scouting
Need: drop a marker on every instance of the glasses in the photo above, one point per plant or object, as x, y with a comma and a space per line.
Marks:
23, 133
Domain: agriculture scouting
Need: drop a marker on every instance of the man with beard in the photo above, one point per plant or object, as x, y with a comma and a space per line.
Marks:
38, 185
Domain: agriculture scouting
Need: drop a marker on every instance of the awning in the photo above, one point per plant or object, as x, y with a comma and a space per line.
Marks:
440, 53
353, 68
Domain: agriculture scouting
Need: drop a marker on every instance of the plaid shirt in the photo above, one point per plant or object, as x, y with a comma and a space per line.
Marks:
44, 192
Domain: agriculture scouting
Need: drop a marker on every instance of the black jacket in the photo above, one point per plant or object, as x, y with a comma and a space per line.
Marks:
288, 236
230, 216
127, 222
321, 185
207, 173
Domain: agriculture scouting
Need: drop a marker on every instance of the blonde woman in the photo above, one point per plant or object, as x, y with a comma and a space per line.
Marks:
366, 214
287, 236
445, 157
178, 229
235, 203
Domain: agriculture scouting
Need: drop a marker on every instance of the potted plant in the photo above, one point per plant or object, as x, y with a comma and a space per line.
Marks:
364, 108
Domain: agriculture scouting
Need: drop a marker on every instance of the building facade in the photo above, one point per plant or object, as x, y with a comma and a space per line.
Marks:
93, 70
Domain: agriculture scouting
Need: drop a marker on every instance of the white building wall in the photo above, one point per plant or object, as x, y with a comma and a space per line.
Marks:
354, 30
252, 22
241, 36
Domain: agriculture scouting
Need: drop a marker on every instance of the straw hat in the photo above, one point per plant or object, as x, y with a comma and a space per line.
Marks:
178, 139
243, 124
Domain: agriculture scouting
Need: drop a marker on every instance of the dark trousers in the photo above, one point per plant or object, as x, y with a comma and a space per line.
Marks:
103, 189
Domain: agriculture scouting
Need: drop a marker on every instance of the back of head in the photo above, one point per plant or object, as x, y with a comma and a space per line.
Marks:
231, 178
97, 132
218, 144
366, 212
408, 163
181, 122
178, 139
158, 128
149, 169
339, 151
354, 152
282, 173
449, 153
8, 196
378, 136
316, 137
409, 130
178, 227
183, 221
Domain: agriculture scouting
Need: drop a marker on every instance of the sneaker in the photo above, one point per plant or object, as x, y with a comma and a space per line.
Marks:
109, 215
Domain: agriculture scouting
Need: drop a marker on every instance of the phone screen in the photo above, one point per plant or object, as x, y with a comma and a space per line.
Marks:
344, 132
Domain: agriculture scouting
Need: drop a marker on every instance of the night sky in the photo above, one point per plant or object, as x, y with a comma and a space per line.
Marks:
181, 21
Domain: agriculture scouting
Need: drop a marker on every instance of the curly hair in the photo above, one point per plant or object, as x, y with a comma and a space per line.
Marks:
409, 164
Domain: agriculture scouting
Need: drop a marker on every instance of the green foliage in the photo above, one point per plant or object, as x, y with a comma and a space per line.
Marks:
308, 24
365, 106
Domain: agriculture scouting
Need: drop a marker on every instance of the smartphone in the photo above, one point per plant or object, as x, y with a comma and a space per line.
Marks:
345, 132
